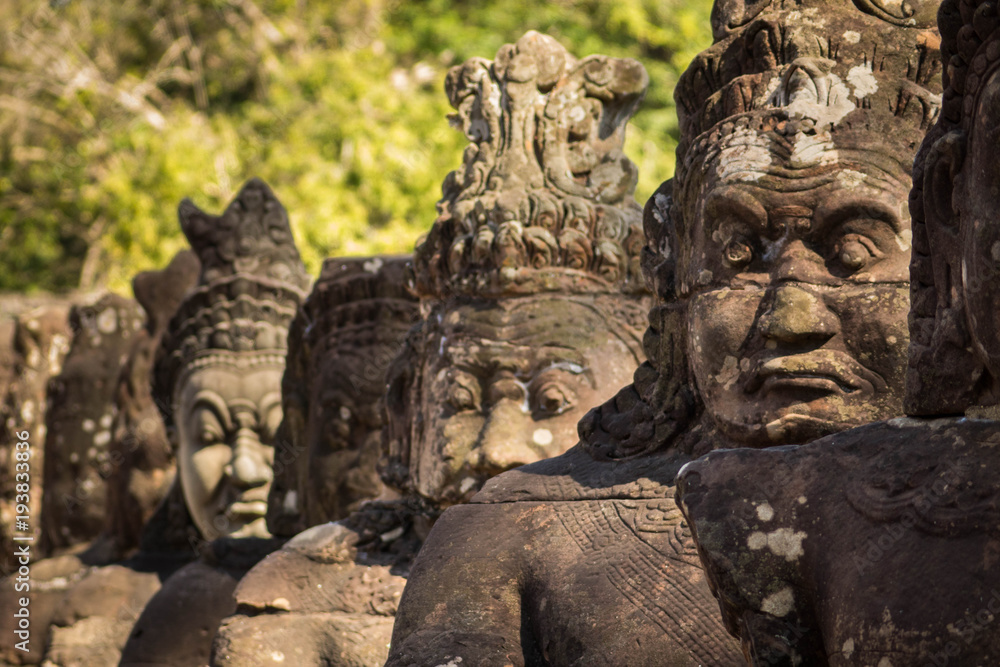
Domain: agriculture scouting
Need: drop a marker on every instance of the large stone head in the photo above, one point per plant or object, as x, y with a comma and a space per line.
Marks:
219, 375
341, 343
532, 303
955, 353
781, 248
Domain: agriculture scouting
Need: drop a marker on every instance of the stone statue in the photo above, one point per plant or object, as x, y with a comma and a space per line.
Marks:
879, 545
83, 607
779, 256
532, 307
218, 382
41, 340
78, 421
340, 344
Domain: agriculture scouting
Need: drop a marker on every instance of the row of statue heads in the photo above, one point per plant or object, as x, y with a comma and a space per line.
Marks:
761, 298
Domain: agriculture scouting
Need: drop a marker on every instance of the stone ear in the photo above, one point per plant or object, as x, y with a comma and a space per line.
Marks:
941, 167
942, 372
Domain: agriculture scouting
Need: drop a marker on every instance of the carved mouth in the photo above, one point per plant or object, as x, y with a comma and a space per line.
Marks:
819, 371
247, 508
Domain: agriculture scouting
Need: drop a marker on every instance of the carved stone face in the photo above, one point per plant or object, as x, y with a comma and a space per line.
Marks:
799, 295
343, 433
976, 199
226, 418
504, 384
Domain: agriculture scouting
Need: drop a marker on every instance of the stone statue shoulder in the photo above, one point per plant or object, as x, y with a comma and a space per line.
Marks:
576, 475
886, 506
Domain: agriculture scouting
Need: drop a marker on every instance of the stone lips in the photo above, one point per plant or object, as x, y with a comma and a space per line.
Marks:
543, 201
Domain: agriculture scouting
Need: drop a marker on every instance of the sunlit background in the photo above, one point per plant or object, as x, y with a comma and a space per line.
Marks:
112, 112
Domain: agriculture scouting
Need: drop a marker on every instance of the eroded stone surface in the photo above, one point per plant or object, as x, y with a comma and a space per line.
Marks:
218, 384
898, 562
779, 256
40, 341
79, 420
532, 306
341, 343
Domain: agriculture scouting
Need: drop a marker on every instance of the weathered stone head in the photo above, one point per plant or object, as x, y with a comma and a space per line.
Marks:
222, 360
786, 234
79, 420
954, 360
529, 279
340, 345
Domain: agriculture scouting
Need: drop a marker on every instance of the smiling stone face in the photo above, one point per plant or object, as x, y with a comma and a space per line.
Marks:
227, 416
505, 382
798, 293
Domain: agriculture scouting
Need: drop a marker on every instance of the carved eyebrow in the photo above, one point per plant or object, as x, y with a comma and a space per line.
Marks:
867, 207
730, 200
269, 402
209, 399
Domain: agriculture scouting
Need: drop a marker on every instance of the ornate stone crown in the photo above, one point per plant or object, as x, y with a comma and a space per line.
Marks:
252, 281
543, 200
357, 302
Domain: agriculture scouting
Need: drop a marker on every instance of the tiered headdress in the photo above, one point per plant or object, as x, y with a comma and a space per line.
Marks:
252, 281
543, 201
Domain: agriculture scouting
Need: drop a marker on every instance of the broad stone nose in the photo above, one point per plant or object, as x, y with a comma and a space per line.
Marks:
501, 444
248, 466
798, 316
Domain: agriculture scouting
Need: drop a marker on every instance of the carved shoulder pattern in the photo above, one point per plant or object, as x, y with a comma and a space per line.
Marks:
646, 551
943, 484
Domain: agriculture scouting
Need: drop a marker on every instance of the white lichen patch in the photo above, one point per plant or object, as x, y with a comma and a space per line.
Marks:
373, 265
824, 101
107, 321
850, 179
783, 542
848, 649
765, 512
745, 157
729, 372
863, 80
102, 438
291, 503
88, 425
542, 437
802, 500
851, 36
884, 662
780, 603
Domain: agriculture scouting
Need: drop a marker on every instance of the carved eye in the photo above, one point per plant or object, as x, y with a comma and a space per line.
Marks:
208, 429
553, 398
737, 254
856, 251
463, 395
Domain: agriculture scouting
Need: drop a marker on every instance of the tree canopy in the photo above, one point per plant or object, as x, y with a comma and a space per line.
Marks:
112, 112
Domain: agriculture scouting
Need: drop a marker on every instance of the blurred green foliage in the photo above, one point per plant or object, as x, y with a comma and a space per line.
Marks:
111, 112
